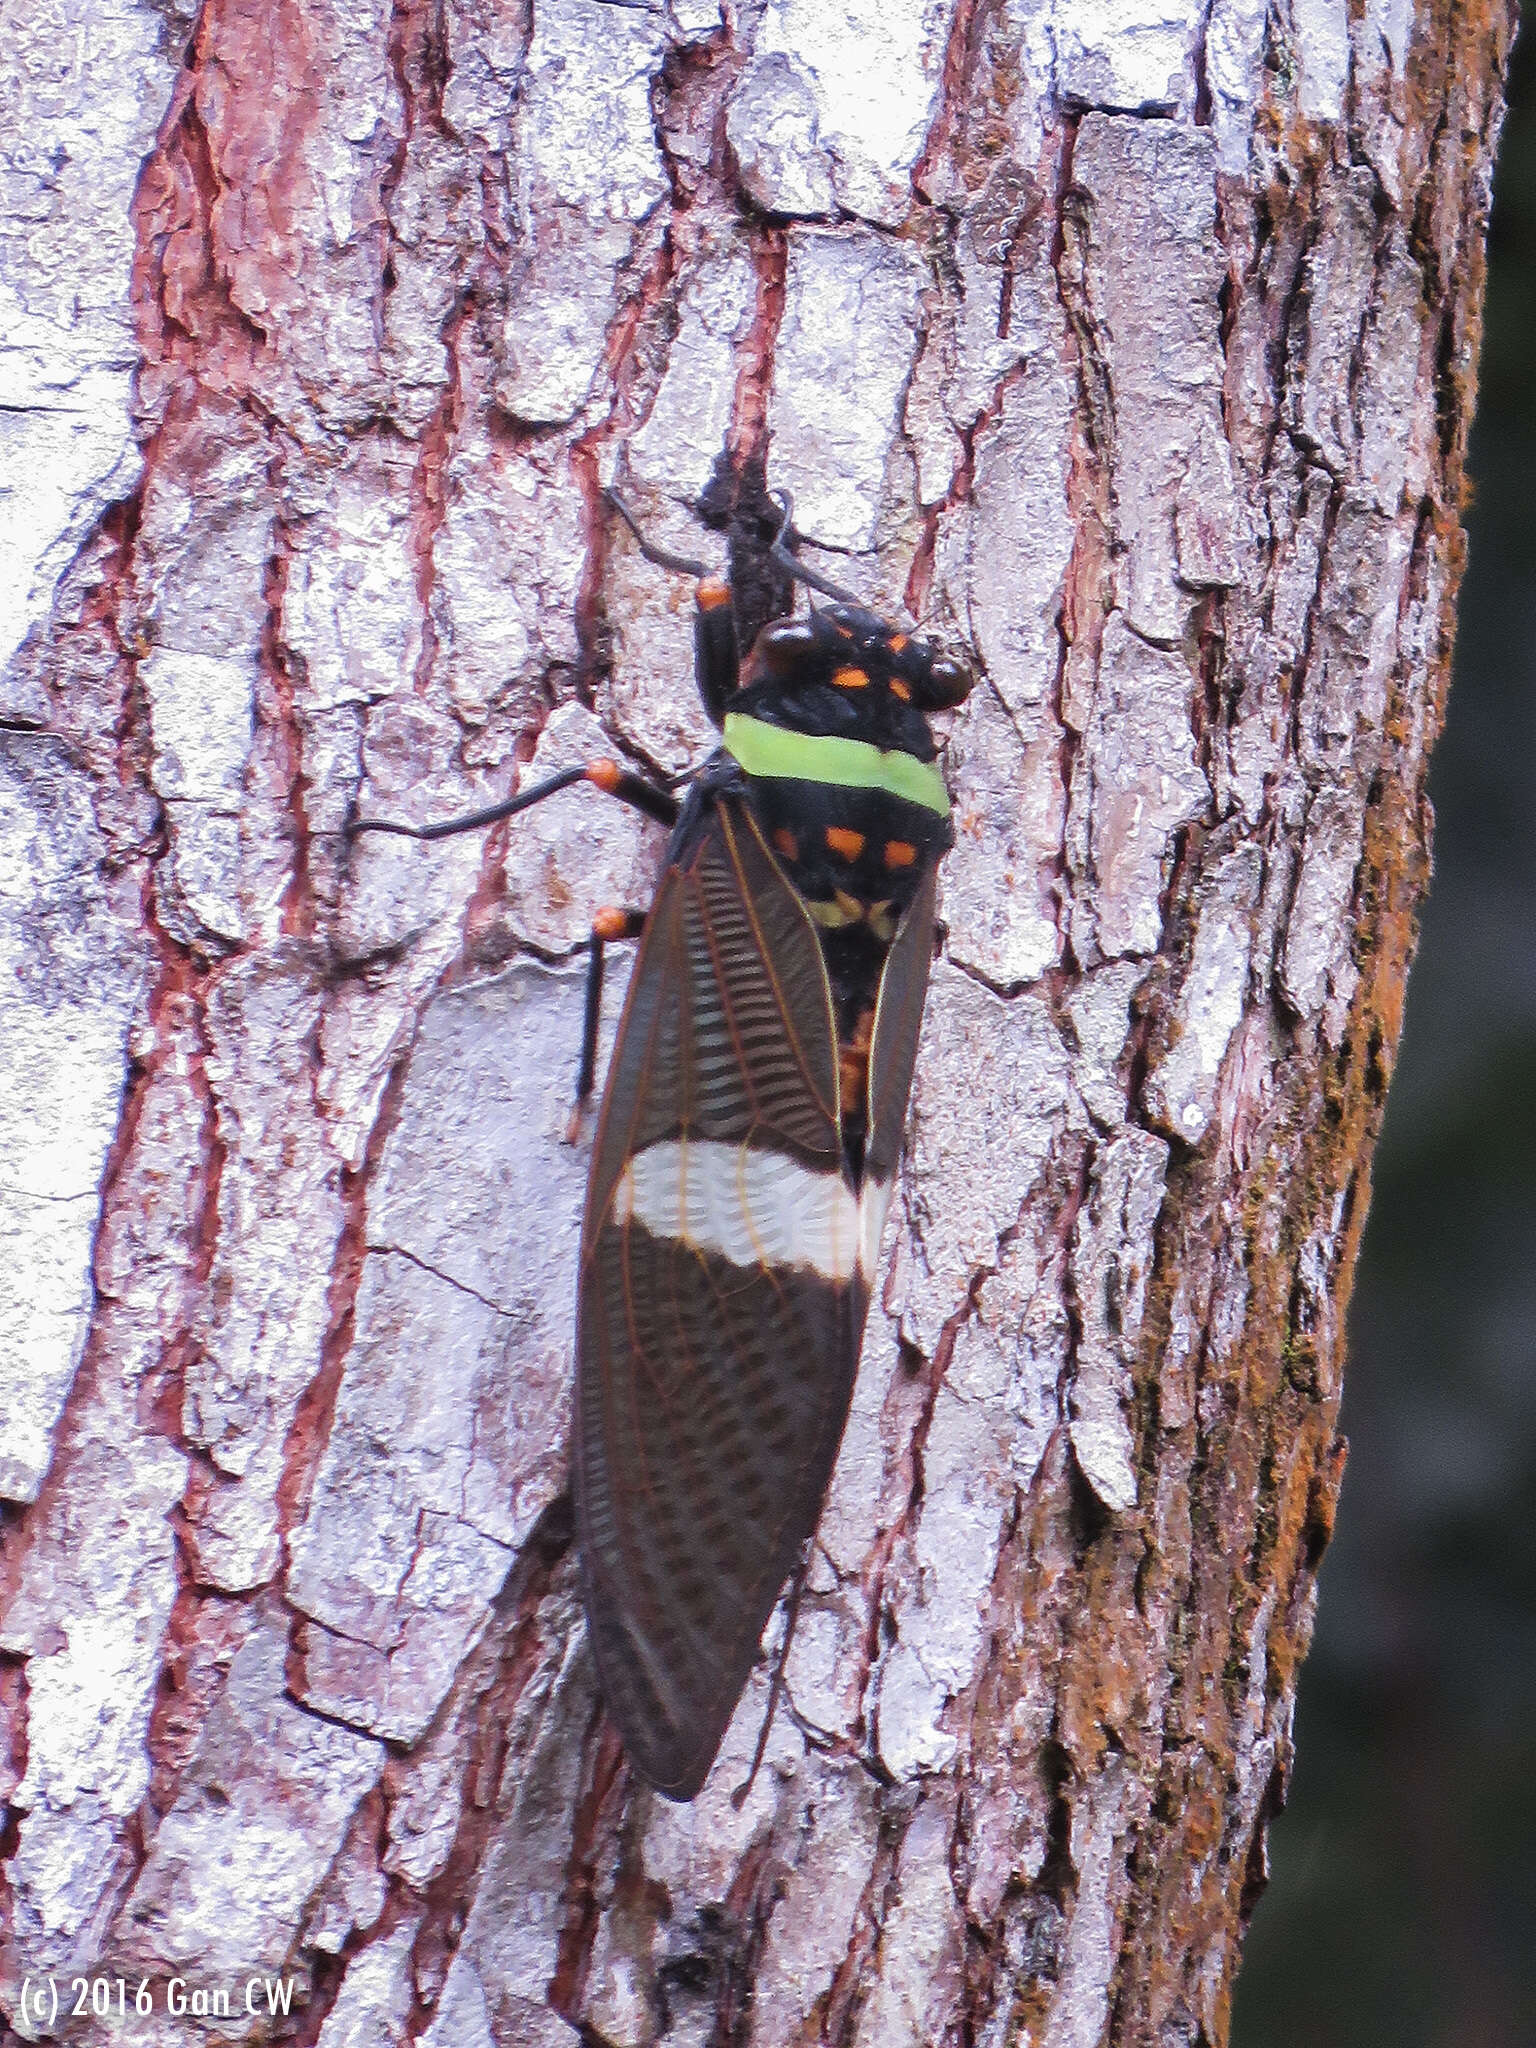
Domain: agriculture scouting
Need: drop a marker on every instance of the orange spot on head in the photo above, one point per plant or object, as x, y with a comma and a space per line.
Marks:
898, 643
849, 844
785, 842
900, 853
610, 924
606, 774
712, 593
850, 679
899, 689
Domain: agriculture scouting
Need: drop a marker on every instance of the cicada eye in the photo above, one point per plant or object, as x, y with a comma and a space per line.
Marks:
948, 682
782, 646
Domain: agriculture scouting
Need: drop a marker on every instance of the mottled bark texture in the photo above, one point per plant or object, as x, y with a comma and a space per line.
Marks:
1133, 349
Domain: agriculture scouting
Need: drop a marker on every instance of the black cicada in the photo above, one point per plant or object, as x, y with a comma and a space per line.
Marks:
747, 1143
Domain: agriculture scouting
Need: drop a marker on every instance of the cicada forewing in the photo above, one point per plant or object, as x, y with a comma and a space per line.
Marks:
727, 1254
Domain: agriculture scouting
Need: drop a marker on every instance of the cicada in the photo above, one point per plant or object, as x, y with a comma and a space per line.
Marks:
748, 1138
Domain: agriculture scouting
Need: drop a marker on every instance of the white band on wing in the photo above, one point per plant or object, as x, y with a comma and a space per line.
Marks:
753, 1206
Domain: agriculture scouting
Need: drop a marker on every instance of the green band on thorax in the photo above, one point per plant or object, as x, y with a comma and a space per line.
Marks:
820, 757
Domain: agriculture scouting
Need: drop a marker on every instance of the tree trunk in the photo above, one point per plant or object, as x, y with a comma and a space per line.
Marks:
1134, 352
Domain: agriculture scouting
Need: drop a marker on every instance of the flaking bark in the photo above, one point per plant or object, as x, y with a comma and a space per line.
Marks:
1136, 357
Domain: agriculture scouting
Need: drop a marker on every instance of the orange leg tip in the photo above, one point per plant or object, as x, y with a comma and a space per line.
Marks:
713, 592
606, 774
610, 924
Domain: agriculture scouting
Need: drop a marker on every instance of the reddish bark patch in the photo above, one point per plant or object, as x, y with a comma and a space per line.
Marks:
597, 1818
747, 441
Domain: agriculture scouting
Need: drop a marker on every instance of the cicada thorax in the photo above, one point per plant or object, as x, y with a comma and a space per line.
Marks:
842, 777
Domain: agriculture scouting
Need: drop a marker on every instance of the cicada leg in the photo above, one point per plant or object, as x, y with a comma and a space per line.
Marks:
608, 927
716, 651
630, 788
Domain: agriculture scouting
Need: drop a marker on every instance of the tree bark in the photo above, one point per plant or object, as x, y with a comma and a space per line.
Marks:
1134, 351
